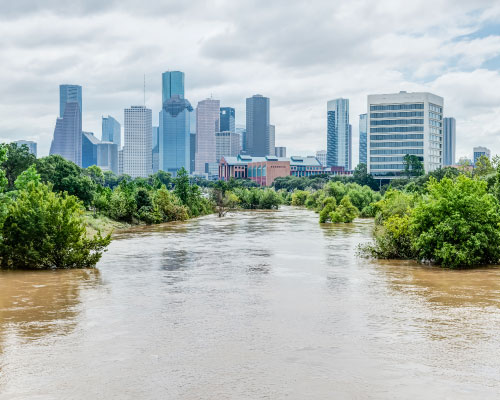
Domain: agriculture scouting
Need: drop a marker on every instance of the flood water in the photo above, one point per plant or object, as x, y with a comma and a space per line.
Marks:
257, 305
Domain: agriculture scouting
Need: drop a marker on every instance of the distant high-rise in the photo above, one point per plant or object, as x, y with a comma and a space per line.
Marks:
227, 119
338, 142
107, 156
31, 145
192, 152
479, 152
449, 141
89, 149
272, 139
155, 135
257, 132
243, 137
321, 156
137, 151
111, 131
280, 151
67, 140
69, 94
350, 148
227, 144
363, 127
172, 85
207, 124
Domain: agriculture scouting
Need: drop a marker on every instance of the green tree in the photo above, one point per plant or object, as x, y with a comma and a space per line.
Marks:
362, 177
412, 166
483, 167
299, 197
17, 159
345, 212
181, 185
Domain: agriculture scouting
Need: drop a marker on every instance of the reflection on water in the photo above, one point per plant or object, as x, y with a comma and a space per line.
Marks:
254, 305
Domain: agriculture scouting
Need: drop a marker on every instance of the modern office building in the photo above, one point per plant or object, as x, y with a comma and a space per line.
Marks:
111, 131
280, 151
257, 126
272, 139
227, 119
227, 144
89, 149
479, 152
137, 151
30, 144
400, 124
363, 129
192, 152
67, 140
338, 137
243, 137
350, 149
69, 94
120, 162
155, 134
449, 141
207, 124
107, 156
321, 156
172, 85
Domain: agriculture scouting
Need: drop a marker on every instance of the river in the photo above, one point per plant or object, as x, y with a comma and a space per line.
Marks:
256, 305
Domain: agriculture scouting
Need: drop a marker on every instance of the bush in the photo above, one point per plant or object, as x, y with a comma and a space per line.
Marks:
299, 197
345, 212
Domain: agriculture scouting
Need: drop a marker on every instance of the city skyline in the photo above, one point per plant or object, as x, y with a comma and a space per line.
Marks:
453, 53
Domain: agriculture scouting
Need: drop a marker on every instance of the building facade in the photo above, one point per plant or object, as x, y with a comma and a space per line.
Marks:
363, 129
137, 150
321, 156
338, 133
89, 149
172, 84
227, 119
67, 140
30, 144
107, 156
449, 141
192, 152
400, 124
479, 152
272, 139
280, 151
257, 125
207, 124
69, 94
111, 131
227, 144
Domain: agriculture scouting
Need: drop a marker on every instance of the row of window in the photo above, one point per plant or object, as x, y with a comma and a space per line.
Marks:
389, 159
398, 151
397, 122
419, 106
398, 129
397, 136
397, 144
436, 138
397, 114
435, 108
387, 166
435, 123
435, 116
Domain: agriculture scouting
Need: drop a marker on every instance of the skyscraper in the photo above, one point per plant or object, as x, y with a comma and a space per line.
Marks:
192, 152
449, 141
272, 140
400, 124
207, 124
257, 131
111, 131
338, 142
31, 145
363, 127
89, 149
172, 85
67, 140
280, 151
227, 119
69, 94
107, 156
350, 148
155, 136
479, 152
227, 144
137, 151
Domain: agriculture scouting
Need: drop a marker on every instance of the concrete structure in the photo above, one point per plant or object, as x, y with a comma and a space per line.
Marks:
137, 150
349, 165
321, 156
363, 129
69, 94
449, 141
227, 119
89, 149
272, 139
30, 144
404, 123
207, 125
67, 140
111, 131
257, 126
338, 133
265, 170
280, 151
227, 144
481, 151
107, 156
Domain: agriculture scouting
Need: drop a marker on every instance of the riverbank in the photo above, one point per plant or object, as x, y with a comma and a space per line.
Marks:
98, 222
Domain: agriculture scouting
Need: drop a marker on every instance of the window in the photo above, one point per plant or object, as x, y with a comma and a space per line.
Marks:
396, 121
398, 129
397, 144
397, 114
397, 137
419, 106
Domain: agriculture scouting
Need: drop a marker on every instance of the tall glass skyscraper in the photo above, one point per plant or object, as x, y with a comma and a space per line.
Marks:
137, 150
257, 132
207, 125
89, 149
67, 140
172, 84
111, 131
363, 127
338, 136
227, 119
449, 140
69, 94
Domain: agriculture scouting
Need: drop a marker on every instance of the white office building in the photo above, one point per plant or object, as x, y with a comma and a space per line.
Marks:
137, 151
207, 125
400, 124
321, 156
227, 144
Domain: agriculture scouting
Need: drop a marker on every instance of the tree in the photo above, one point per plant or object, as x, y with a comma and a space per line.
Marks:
413, 166
45, 230
345, 212
362, 177
18, 159
223, 198
483, 167
181, 185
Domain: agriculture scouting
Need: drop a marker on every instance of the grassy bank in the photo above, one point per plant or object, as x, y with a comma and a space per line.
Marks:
102, 223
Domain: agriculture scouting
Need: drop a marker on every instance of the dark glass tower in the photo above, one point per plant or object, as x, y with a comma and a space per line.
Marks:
227, 119
257, 132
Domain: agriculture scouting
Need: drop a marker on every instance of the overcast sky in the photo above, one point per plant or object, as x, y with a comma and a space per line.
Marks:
300, 54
